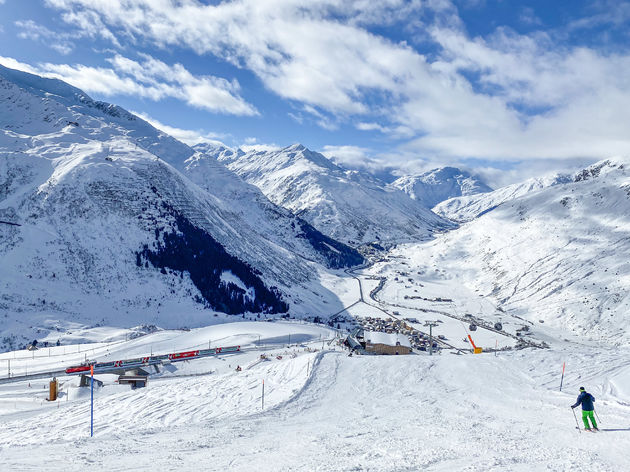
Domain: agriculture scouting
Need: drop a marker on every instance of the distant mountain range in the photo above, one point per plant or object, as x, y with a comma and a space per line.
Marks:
470, 206
343, 204
106, 220
437, 185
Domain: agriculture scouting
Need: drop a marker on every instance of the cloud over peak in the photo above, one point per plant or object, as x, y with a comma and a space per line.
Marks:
148, 78
408, 69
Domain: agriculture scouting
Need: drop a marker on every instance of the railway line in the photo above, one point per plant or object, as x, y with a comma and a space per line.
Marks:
146, 361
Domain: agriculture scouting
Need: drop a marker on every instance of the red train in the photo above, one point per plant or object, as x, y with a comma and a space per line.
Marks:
101, 367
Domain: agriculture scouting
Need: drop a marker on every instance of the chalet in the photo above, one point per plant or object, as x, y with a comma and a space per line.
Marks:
384, 343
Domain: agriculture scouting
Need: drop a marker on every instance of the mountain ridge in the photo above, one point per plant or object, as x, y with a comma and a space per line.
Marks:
439, 184
110, 224
345, 205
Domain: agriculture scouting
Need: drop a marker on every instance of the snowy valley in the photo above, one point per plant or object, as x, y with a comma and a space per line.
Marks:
118, 242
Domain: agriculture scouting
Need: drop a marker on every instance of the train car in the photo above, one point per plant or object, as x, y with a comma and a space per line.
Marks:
183, 355
78, 369
156, 359
103, 366
231, 349
133, 362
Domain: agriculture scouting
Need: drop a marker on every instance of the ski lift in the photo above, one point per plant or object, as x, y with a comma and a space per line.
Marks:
472, 327
498, 326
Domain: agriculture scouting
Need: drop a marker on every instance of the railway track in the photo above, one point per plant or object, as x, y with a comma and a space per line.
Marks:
59, 373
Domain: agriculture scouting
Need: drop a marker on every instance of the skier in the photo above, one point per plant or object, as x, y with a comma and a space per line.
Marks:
586, 399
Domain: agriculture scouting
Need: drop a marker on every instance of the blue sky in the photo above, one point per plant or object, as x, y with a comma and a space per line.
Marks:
508, 88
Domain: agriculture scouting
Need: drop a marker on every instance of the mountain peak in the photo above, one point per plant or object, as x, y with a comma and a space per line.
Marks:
53, 105
344, 205
296, 147
442, 183
42, 86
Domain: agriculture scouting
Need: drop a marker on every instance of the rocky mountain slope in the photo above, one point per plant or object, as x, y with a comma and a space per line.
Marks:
101, 222
342, 204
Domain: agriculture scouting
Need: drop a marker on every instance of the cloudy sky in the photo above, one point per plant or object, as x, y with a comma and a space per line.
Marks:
504, 86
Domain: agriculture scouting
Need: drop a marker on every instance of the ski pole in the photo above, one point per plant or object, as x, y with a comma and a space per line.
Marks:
598, 420
576, 421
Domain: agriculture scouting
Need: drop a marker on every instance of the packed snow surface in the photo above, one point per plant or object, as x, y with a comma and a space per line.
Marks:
326, 411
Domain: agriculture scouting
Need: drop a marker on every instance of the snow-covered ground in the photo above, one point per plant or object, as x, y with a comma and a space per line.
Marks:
548, 255
327, 411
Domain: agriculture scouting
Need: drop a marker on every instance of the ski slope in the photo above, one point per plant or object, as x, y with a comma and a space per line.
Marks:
327, 411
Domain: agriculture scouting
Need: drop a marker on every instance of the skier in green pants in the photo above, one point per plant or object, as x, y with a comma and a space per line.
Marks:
586, 399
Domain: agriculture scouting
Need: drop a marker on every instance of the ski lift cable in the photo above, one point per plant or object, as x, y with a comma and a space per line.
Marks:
458, 317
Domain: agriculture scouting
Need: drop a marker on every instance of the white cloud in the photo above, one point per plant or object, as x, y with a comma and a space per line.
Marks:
528, 17
530, 97
209, 92
346, 154
251, 144
355, 157
370, 127
613, 13
12, 63
152, 79
60, 42
293, 47
188, 136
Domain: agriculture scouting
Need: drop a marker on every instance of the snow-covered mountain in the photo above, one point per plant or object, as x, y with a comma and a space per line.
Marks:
468, 207
102, 222
437, 185
342, 204
558, 255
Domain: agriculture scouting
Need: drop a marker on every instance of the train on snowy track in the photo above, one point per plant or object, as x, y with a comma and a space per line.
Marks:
102, 367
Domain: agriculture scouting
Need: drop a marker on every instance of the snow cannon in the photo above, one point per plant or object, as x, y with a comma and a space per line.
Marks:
476, 350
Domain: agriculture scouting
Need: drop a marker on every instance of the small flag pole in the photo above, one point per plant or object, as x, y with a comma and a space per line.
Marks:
263, 394
562, 378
